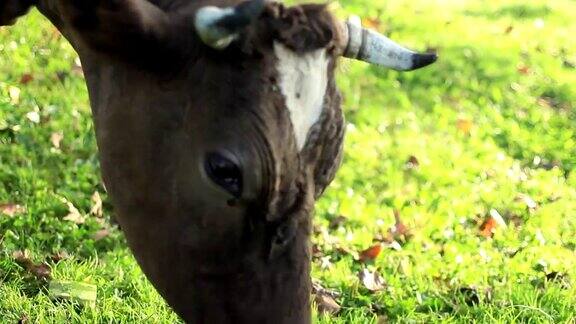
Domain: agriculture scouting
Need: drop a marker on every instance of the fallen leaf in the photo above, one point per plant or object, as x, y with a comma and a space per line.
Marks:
325, 262
26, 78
568, 64
96, 209
21, 257
325, 299
11, 210
59, 256
73, 213
494, 221
33, 116
101, 234
399, 228
398, 232
326, 304
412, 163
56, 138
76, 291
370, 253
523, 69
14, 94
527, 200
497, 217
372, 281
488, 227
317, 287
40, 270
464, 125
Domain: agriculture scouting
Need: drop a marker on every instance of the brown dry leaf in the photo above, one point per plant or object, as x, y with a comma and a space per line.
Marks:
40, 270
11, 210
493, 221
56, 138
59, 256
464, 125
325, 299
372, 281
398, 233
26, 78
73, 213
317, 287
412, 163
96, 209
370, 253
21, 257
488, 227
326, 304
101, 234
400, 230
523, 69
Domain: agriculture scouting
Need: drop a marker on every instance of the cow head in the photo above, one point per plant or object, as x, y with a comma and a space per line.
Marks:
218, 124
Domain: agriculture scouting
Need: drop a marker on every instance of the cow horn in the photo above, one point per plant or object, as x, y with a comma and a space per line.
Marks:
369, 46
218, 27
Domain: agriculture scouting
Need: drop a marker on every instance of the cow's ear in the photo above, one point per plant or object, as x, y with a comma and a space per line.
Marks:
11, 10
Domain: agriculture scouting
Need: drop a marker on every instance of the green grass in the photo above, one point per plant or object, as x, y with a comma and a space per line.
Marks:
493, 119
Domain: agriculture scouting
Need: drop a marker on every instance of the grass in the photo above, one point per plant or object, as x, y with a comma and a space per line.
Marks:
489, 125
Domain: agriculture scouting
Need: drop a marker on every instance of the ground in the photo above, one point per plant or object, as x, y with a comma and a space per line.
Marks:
473, 155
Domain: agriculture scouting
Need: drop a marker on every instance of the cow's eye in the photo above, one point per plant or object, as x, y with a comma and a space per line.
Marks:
225, 173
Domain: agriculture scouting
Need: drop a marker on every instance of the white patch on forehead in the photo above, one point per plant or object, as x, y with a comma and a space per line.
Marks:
303, 81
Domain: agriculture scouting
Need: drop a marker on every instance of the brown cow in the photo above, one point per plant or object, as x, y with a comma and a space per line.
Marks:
218, 124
